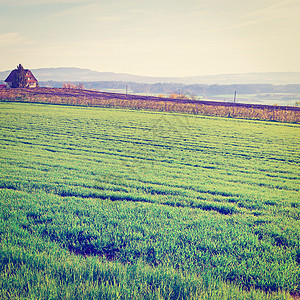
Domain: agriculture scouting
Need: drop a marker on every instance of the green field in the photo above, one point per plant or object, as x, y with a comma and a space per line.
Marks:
100, 203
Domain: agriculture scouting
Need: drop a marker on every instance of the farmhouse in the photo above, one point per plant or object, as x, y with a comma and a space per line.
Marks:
31, 80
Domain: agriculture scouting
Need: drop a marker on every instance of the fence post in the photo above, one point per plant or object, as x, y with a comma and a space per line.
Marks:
234, 98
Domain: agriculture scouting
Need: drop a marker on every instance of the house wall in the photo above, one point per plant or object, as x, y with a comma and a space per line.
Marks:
32, 84
31, 80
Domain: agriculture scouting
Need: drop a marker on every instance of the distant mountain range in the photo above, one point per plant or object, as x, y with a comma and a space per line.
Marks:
86, 75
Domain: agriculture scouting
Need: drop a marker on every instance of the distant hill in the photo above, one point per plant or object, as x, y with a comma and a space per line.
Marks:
86, 75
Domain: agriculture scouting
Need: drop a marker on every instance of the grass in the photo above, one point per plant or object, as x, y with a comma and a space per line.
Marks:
118, 204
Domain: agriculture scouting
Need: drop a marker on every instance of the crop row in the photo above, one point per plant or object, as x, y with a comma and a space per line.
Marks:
214, 198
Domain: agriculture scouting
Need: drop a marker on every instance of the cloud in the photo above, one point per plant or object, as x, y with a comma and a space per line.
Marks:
281, 8
10, 39
245, 24
275, 17
42, 2
76, 10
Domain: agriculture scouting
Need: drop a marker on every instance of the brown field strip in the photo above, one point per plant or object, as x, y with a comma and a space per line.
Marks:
288, 114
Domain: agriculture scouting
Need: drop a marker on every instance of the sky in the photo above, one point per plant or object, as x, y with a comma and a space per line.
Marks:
152, 37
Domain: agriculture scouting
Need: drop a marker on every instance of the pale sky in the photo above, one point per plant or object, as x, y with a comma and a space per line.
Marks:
152, 37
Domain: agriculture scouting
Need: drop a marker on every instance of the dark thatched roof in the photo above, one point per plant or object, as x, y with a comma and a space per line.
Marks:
30, 77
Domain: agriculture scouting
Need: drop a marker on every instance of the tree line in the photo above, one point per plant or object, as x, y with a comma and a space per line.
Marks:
177, 88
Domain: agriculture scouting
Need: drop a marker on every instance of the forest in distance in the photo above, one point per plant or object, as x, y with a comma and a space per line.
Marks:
168, 88
288, 94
